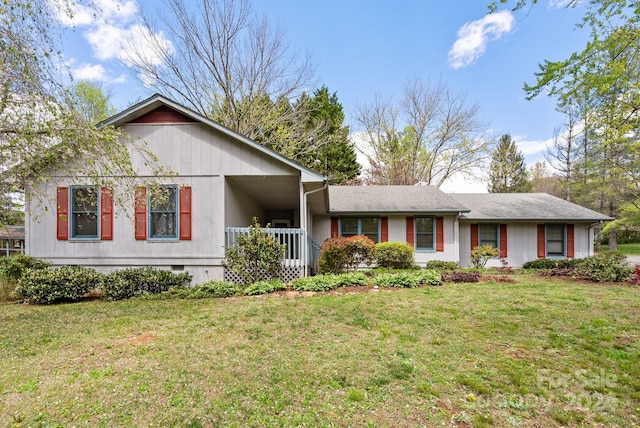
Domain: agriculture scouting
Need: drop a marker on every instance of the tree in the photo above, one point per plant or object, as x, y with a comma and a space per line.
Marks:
226, 64
37, 132
443, 136
508, 172
334, 155
605, 79
543, 181
238, 70
562, 154
90, 101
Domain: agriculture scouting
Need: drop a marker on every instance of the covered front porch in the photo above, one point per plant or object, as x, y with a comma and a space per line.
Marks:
282, 205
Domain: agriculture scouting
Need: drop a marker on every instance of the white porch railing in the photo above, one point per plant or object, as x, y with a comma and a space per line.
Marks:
290, 237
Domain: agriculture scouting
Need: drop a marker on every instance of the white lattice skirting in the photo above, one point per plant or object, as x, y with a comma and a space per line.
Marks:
287, 274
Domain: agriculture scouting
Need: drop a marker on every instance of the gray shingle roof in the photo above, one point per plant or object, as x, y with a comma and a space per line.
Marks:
523, 207
12, 232
391, 199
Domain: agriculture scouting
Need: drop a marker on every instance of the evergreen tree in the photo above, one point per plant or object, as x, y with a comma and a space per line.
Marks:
508, 173
334, 155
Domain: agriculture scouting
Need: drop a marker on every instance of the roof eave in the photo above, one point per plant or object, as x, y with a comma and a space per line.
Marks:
530, 220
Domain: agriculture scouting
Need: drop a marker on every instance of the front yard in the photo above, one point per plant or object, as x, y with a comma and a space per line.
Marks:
540, 352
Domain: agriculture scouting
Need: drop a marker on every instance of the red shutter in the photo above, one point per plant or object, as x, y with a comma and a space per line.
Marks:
140, 213
335, 227
503, 241
570, 241
384, 229
62, 213
439, 234
542, 251
474, 236
185, 213
410, 231
106, 213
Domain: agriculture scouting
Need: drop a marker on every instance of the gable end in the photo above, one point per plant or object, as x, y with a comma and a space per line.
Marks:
163, 114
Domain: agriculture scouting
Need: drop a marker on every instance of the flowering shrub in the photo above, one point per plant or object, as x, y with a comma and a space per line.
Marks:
480, 255
340, 253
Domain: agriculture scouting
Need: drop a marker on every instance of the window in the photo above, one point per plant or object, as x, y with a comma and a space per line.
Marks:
555, 240
84, 212
488, 234
424, 233
352, 226
163, 213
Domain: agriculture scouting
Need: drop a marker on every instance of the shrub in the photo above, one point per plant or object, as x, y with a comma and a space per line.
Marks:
256, 256
351, 279
550, 263
394, 255
12, 267
605, 267
635, 277
323, 282
560, 271
63, 284
461, 276
217, 289
429, 277
211, 289
441, 265
480, 255
400, 280
127, 283
340, 253
264, 287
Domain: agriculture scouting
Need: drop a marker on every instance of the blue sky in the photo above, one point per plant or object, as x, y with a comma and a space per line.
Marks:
363, 48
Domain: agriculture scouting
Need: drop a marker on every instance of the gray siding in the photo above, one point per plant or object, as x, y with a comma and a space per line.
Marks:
397, 233
522, 243
202, 157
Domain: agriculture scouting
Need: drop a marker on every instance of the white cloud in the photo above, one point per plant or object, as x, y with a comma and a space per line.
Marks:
139, 39
106, 41
95, 73
112, 28
533, 147
559, 4
474, 36
463, 184
72, 13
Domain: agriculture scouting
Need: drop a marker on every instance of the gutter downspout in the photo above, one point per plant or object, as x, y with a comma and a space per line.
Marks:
456, 237
305, 223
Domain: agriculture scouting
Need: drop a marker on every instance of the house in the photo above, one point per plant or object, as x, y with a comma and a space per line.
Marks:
223, 180
11, 240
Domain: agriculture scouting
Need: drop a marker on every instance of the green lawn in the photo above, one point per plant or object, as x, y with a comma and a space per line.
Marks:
534, 353
631, 249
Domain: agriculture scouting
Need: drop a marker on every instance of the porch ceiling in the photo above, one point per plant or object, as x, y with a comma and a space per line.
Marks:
271, 192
